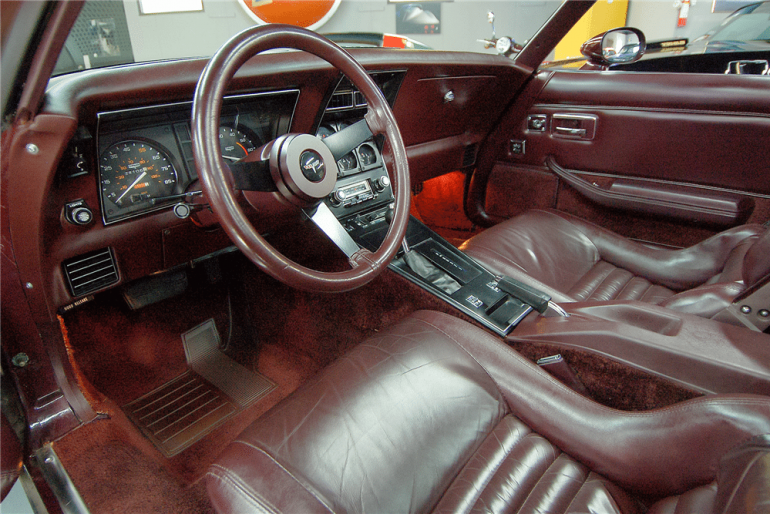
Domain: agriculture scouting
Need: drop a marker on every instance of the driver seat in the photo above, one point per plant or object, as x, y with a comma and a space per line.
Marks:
436, 415
573, 260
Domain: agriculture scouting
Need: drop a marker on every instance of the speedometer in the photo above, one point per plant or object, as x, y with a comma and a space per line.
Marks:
133, 173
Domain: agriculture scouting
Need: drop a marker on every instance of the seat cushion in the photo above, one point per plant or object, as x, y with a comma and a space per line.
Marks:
573, 260
435, 414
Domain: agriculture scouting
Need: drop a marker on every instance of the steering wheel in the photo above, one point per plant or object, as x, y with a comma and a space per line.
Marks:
302, 167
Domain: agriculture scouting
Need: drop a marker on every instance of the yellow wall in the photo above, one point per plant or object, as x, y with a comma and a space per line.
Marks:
603, 16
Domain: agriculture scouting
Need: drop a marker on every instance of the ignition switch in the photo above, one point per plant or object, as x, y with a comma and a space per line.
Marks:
78, 213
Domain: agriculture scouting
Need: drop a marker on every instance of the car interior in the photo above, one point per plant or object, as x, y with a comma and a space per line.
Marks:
384, 280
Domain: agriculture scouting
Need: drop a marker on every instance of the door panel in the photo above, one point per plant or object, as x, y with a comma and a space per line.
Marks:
666, 158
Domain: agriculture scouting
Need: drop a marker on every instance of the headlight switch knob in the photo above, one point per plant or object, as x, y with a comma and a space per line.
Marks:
78, 213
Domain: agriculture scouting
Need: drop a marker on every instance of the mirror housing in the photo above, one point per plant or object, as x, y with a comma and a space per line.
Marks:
617, 46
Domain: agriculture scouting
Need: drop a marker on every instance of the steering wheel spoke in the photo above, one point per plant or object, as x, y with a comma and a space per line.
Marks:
252, 176
345, 141
325, 219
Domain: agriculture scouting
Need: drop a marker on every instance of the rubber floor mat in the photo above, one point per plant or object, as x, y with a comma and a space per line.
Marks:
185, 409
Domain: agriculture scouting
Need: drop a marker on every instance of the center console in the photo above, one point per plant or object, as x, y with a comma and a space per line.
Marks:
362, 202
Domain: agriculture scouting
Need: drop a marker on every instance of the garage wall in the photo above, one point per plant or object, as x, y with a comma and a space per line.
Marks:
462, 23
658, 18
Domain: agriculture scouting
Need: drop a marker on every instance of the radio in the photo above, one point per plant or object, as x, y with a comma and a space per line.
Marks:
352, 194
359, 194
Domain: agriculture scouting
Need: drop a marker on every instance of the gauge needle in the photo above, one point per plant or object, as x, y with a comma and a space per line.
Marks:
231, 158
138, 179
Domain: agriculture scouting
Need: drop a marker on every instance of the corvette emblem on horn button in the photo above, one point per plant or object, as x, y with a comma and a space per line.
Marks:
313, 166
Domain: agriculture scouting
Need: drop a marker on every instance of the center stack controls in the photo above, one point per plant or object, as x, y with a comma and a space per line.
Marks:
363, 184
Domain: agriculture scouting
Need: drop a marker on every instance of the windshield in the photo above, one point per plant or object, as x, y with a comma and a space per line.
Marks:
109, 32
750, 24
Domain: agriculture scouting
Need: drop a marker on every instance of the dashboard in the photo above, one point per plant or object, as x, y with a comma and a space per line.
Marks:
116, 156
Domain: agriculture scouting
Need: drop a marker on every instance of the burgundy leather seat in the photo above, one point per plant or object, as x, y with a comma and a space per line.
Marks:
437, 415
573, 260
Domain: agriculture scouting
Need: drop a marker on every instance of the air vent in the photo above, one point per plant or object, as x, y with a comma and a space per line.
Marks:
359, 98
90, 272
340, 101
469, 156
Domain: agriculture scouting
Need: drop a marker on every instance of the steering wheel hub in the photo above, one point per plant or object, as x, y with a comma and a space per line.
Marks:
303, 168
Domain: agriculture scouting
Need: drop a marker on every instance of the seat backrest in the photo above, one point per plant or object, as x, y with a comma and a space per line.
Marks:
744, 478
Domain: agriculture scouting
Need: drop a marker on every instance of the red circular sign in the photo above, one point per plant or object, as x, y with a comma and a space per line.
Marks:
309, 14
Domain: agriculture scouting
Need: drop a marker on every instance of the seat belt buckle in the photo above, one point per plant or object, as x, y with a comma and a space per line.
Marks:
558, 367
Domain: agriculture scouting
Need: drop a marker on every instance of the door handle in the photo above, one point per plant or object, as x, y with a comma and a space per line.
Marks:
571, 131
574, 126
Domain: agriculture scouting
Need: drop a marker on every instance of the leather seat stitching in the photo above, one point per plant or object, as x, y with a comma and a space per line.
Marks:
605, 278
243, 488
641, 295
553, 449
739, 482
595, 477
577, 493
492, 475
687, 406
305, 487
586, 292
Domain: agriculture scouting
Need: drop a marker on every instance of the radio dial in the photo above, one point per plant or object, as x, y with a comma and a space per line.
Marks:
339, 196
382, 183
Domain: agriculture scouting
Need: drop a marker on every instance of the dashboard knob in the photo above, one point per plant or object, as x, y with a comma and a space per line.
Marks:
78, 213
82, 216
182, 210
382, 183
339, 196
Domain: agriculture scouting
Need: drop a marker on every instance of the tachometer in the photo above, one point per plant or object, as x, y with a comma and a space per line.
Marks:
132, 174
325, 131
235, 144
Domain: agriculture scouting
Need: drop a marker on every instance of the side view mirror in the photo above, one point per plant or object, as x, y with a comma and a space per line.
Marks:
616, 46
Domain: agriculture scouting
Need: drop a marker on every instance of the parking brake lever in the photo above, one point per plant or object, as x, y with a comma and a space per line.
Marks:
539, 301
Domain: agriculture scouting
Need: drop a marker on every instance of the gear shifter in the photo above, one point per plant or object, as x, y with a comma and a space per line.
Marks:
422, 267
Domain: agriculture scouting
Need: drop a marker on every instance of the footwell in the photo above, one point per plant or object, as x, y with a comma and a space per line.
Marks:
214, 388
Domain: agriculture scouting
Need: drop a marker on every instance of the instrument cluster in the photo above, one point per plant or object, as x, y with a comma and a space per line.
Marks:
360, 159
145, 155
